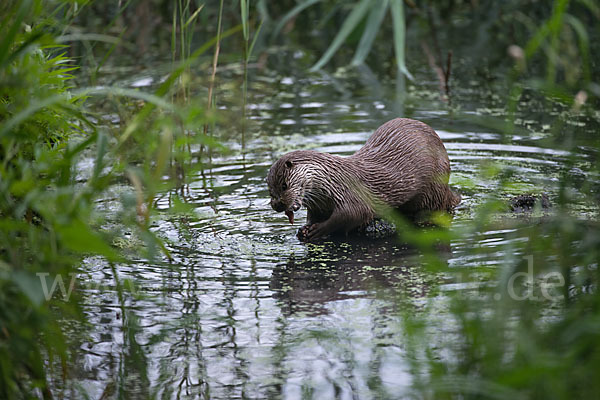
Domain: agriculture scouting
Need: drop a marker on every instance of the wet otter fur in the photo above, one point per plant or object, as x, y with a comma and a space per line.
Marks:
403, 166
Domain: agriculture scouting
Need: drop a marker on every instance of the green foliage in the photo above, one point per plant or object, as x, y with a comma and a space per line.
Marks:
38, 201
525, 338
48, 220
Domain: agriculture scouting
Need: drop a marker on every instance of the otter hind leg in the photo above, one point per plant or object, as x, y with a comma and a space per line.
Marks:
436, 197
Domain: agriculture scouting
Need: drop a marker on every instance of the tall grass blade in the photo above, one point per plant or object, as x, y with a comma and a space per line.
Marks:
25, 47
183, 64
59, 99
193, 17
547, 28
399, 22
174, 36
372, 27
261, 7
214, 66
254, 39
97, 37
593, 6
556, 23
182, 48
584, 43
358, 13
107, 55
244, 10
9, 37
291, 14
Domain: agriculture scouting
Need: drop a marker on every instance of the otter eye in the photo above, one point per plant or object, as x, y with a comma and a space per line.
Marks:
284, 186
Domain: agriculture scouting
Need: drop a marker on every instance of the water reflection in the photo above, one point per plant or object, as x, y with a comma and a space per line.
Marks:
349, 269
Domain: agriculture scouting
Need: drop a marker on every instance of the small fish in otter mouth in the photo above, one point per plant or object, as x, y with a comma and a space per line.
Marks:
290, 215
403, 166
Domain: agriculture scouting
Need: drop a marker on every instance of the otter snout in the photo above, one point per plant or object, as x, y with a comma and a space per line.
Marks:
278, 205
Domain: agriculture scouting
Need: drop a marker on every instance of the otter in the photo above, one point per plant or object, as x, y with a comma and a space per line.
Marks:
403, 166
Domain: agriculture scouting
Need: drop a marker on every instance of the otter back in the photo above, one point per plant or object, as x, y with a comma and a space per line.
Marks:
407, 166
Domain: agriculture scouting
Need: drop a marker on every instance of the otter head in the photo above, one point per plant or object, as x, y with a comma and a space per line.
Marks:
286, 186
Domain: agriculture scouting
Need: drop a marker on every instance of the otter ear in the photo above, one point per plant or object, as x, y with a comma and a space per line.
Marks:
289, 164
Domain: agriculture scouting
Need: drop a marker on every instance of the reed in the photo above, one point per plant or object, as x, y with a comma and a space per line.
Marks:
247, 54
215, 60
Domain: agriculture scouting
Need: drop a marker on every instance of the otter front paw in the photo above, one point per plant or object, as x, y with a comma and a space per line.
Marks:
311, 232
302, 233
308, 232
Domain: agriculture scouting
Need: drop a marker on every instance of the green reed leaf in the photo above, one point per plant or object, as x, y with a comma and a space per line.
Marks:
397, 7
358, 13
373, 24
291, 14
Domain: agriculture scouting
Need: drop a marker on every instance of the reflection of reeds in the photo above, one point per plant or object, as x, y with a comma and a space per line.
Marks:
248, 48
245, 11
182, 23
213, 74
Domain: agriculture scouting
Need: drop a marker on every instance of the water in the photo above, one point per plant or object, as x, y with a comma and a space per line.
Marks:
244, 310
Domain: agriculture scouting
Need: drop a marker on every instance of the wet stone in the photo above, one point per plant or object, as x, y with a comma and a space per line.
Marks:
378, 229
527, 202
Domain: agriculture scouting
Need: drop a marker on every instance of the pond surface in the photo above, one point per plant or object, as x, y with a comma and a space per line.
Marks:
245, 310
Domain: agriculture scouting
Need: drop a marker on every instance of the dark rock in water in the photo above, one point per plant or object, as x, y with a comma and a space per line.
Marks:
527, 202
378, 229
